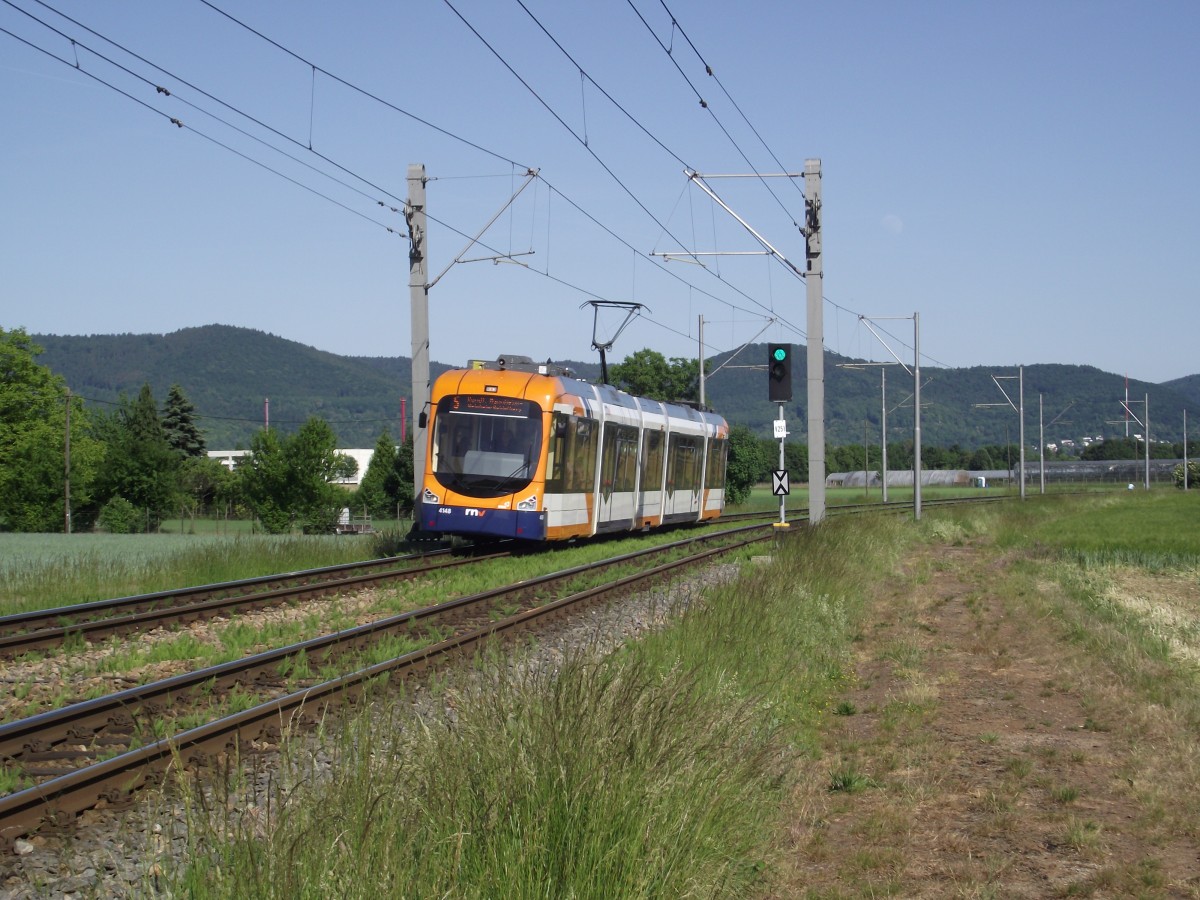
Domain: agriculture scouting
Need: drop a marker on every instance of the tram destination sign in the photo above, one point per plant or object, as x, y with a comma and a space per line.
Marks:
492, 404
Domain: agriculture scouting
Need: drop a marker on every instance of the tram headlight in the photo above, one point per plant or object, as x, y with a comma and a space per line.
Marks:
430, 497
529, 504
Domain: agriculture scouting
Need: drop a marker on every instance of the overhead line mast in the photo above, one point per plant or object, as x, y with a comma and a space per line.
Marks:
813, 275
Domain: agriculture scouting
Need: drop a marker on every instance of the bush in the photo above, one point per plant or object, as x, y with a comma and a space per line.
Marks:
119, 516
1193, 478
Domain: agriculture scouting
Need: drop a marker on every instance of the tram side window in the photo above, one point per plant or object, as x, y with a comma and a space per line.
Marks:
627, 442
683, 464
581, 455
571, 467
618, 467
556, 454
714, 473
652, 460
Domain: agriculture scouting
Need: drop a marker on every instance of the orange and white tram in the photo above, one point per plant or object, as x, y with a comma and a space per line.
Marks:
521, 450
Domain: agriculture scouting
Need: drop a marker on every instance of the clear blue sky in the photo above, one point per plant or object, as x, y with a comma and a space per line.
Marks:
1022, 174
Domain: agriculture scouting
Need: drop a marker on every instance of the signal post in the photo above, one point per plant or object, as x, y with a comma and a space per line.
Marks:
779, 390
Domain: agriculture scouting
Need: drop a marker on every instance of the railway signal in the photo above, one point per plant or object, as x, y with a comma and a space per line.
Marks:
779, 371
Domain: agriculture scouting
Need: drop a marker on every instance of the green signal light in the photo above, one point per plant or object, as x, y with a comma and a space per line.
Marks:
780, 354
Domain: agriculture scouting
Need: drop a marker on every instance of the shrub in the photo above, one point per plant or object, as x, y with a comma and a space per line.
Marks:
119, 516
1193, 478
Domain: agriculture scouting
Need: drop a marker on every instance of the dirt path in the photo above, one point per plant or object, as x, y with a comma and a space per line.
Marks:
980, 754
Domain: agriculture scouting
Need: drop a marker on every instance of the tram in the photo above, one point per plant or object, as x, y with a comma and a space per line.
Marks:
524, 450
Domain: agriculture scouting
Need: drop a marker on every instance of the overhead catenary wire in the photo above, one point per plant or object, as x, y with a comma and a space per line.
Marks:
705, 104
259, 122
174, 120
256, 120
579, 138
496, 154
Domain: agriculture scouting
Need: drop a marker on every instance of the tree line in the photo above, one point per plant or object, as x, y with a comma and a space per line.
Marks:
64, 467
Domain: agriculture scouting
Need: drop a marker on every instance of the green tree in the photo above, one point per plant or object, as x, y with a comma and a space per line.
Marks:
387, 485
647, 373
1193, 475
747, 462
287, 481
139, 464
399, 483
265, 480
1113, 448
372, 492
795, 459
179, 424
33, 443
981, 460
204, 484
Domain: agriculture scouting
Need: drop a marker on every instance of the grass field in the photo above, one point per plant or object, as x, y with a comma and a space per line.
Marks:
43, 571
669, 769
672, 768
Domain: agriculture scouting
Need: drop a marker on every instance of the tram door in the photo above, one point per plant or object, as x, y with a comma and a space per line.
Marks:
683, 476
650, 485
618, 477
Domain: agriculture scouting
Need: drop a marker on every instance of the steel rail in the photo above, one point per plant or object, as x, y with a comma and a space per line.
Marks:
114, 779
33, 620
83, 722
98, 628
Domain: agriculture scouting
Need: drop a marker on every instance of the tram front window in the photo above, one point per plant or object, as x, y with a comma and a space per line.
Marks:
486, 446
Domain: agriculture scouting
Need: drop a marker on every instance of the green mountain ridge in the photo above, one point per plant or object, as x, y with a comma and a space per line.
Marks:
239, 377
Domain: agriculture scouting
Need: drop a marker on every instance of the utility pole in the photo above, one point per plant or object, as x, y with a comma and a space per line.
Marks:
701, 336
813, 276
67, 464
883, 463
418, 295
883, 428
1147, 408
917, 416
1041, 448
915, 371
1042, 438
1019, 408
814, 279
1145, 427
1021, 393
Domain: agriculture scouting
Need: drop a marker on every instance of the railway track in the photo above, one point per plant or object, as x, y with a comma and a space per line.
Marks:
49, 629
75, 757
101, 750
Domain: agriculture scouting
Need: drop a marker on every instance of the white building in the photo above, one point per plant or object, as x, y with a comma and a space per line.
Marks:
230, 459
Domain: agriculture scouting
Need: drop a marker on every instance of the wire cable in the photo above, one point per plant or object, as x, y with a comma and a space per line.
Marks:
362, 91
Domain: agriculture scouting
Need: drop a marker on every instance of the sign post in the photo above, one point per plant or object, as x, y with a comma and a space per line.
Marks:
779, 478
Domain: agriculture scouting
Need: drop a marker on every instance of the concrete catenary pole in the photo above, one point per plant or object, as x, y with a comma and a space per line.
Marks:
883, 427
814, 276
67, 463
418, 293
1021, 430
1147, 408
917, 416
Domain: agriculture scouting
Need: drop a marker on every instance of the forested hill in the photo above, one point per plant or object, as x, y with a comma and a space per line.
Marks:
230, 373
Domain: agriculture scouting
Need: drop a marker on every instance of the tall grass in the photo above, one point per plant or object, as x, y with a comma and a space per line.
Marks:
657, 771
1154, 531
40, 571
